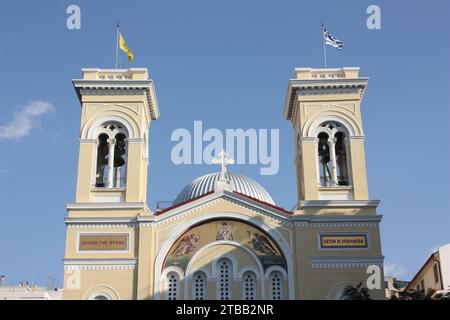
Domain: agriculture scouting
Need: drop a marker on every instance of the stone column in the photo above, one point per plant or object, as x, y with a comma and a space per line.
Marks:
117, 178
331, 144
111, 146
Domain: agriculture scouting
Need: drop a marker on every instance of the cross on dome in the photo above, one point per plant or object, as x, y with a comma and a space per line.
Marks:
223, 159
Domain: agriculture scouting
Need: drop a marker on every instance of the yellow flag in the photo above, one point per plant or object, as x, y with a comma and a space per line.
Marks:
123, 46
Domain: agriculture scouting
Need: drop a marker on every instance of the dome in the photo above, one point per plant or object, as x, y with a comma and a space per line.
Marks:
239, 183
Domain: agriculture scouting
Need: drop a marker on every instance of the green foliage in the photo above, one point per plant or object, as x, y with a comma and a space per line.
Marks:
357, 292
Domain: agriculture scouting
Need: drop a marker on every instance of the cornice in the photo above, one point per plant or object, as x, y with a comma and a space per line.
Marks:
100, 264
339, 204
106, 206
308, 87
120, 87
345, 262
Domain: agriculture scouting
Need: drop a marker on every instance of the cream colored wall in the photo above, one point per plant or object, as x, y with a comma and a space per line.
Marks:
318, 283
427, 275
119, 284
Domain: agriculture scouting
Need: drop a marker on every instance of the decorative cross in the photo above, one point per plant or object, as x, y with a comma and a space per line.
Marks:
223, 159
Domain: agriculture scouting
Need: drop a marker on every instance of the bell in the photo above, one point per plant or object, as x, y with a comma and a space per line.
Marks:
118, 161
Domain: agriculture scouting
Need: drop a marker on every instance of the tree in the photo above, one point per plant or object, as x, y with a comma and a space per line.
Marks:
357, 292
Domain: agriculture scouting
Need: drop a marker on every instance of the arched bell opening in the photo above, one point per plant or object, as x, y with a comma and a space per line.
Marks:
111, 162
324, 160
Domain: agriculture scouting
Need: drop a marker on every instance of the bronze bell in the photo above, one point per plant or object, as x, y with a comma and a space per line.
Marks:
118, 161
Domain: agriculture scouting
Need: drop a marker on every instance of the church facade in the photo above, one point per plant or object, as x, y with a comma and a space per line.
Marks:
223, 237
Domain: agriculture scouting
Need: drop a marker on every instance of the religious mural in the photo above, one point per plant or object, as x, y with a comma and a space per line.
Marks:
231, 230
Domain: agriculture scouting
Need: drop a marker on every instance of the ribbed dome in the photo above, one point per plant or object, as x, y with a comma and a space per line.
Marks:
241, 184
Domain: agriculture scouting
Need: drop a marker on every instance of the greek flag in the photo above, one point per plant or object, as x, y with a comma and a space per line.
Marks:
330, 40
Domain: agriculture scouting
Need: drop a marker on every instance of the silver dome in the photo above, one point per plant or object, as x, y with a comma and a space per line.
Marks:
241, 184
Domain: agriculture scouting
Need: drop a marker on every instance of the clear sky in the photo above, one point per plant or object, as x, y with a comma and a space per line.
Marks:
226, 63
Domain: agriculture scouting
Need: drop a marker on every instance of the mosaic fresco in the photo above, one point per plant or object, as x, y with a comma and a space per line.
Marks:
219, 230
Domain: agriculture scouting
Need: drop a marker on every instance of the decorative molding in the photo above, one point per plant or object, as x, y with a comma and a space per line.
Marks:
88, 141
100, 264
135, 140
106, 206
120, 87
91, 225
99, 223
308, 139
321, 87
339, 203
345, 262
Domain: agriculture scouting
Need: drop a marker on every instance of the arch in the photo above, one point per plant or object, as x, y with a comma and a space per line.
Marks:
311, 126
270, 272
165, 274
276, 285
173, 269
200, 286
276, 268
224, 271
101, 290
90, 128
180, 229
336, 291
229, 256
249, 285
172, 286
259, 273
190, 274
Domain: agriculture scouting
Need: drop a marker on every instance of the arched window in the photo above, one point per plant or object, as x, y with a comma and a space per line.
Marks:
276, 285
341, 159
102, 161
111, 156
332, 155
324, 160
224, 279
249, 286
172, 286
199, 286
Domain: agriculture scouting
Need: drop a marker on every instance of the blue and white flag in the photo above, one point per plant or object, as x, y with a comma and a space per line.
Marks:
330, 40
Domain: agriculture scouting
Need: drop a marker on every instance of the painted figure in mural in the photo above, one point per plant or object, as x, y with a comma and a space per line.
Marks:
187, 244
224, 232
262, 244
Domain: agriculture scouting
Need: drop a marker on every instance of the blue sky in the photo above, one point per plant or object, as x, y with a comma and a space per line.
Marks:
226, 63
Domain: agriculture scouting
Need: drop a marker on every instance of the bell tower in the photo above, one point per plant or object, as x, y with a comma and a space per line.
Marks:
335, 219
108, 253
324, 107
117, 109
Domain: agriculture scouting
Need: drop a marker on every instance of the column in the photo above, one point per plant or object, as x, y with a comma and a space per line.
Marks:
111, 146
117, 178
331, 144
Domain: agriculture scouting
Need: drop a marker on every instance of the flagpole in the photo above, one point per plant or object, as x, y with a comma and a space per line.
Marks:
324, 46
117, 46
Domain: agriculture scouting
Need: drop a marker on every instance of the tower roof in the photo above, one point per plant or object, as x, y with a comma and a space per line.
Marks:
115, 81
